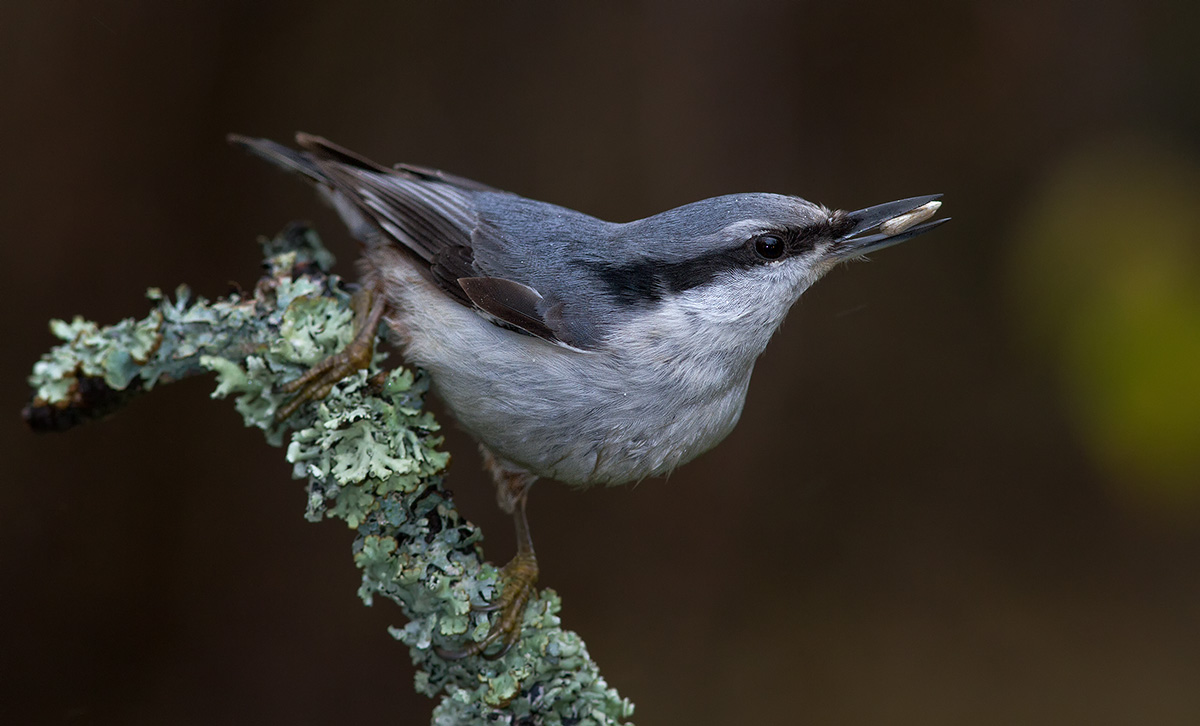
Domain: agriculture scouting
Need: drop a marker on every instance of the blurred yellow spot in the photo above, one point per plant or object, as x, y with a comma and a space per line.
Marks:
1106, 278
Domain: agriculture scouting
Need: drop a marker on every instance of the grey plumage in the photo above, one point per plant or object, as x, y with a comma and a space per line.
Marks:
574, 348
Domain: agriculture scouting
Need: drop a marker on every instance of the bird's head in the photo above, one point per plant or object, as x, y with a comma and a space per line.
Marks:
727, 269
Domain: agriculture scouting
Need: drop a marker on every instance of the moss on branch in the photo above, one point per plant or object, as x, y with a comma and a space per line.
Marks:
369, 454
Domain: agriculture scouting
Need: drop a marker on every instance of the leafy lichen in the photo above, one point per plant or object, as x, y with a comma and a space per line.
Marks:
369, 454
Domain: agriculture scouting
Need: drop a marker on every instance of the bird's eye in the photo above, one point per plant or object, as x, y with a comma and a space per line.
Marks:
769, 247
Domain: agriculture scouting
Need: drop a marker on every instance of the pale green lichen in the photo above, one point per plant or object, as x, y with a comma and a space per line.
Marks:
369, 454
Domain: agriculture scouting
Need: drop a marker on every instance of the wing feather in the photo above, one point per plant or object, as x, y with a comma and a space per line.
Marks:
432, 216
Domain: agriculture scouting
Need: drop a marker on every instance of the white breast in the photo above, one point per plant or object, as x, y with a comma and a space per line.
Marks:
583, 418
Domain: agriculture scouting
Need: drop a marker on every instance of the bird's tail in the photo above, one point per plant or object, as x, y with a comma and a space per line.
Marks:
285, 158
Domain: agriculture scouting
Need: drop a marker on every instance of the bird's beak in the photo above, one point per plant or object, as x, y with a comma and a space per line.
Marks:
885, 225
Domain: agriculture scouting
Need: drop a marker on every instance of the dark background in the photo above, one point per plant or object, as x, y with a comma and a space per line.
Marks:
964, 488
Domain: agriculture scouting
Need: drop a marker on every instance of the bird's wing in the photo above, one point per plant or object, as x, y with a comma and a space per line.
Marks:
430, 214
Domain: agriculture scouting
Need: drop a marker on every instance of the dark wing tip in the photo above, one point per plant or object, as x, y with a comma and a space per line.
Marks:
515, 305
430, 174
279, 155
325, 149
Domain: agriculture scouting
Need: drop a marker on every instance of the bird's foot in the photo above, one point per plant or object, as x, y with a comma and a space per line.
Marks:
519, 580
318, 381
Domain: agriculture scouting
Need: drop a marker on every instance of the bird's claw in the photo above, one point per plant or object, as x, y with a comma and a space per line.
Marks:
318, 381
519, 578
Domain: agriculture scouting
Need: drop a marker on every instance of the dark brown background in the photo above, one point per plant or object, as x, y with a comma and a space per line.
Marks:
915, 522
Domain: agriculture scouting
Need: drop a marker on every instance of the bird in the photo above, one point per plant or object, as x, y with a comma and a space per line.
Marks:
572, 348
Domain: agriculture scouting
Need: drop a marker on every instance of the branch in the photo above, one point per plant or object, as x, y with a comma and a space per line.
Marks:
370, 456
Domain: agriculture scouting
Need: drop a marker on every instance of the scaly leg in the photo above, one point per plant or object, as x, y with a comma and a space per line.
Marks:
519, 576
369, 304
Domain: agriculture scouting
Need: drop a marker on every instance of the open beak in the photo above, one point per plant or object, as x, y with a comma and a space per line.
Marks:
885, 225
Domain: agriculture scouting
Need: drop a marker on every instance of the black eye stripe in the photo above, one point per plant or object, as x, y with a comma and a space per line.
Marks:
801, 243
647, 281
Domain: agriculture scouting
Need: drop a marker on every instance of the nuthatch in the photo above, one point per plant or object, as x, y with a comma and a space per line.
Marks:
572, 348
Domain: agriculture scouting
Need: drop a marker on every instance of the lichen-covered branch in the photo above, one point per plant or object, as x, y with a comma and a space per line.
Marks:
369, 454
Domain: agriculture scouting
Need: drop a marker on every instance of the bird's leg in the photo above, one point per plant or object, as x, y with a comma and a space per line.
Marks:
518, 578
369, 304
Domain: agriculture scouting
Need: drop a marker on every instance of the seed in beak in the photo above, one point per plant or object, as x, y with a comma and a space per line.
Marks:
896, 225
